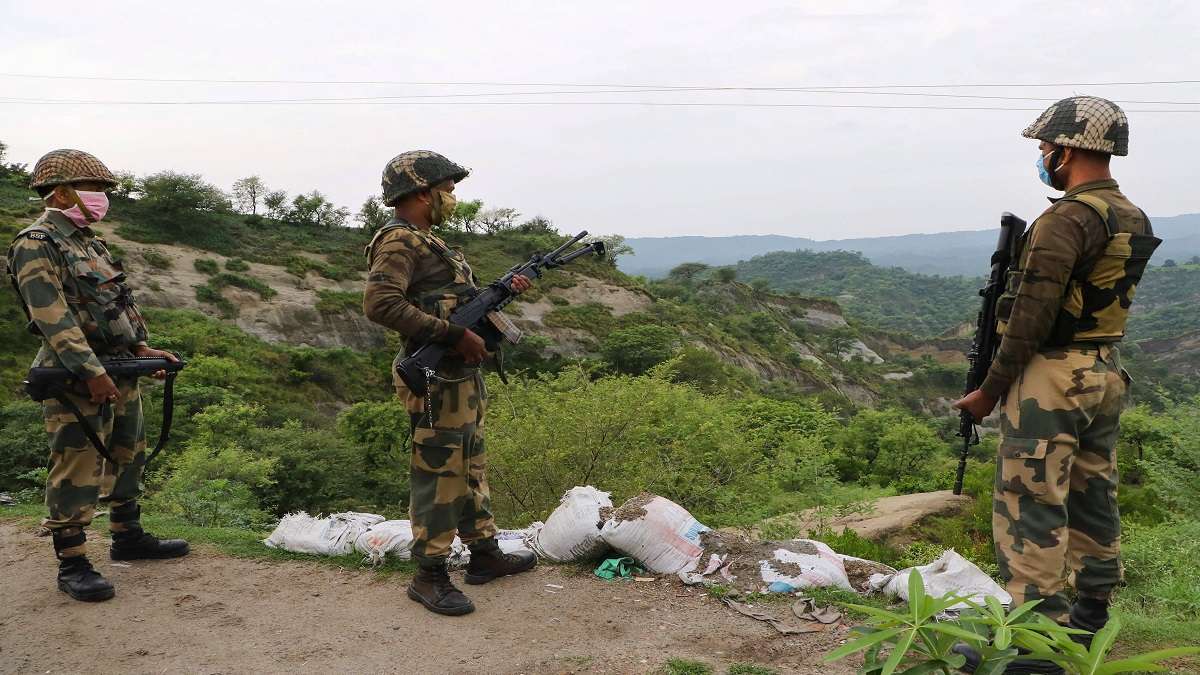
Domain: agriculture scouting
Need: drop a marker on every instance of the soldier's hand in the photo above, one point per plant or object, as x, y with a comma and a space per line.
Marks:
151, 353
472, 348
102, 389
521, 283
979, 404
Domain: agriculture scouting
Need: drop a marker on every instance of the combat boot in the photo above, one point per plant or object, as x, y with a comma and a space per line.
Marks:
1090, 614
76, 576
489, 562
1027, 666
432, 587
134, 543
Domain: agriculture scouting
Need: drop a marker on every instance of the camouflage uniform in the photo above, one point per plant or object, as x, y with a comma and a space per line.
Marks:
1059, 376
414, 283
79, 304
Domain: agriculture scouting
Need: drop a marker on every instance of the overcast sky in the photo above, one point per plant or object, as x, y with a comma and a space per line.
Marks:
640, 171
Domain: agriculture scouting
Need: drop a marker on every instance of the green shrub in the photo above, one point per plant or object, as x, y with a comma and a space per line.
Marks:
1160, 569
338, 302
636, 349
23, 442
206, 266
223, 279
211, 295
156, 259
300, 266
237, 265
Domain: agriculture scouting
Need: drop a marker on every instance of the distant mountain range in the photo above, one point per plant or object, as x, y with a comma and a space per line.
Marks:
943, 253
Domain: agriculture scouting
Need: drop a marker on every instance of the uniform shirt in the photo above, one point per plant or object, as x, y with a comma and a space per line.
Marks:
402, 268
1065, 235
51, 292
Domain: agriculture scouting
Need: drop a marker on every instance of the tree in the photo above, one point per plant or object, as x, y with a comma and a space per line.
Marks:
127, 185
373, 214
538, 225
275, 202
466, 216
688, 271
725, 275
247, 192
614, 247
639, 348
1195, 260
169, 195
314, 210
498, 220
760, 286
1170, 262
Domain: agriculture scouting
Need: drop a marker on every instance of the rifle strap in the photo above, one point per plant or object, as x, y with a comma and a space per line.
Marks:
168, 414
88, 430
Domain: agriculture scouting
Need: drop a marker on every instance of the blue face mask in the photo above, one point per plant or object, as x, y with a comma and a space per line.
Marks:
1043, 173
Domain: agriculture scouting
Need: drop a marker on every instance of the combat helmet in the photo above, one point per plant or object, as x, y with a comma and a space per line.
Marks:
417, 170
1084, 122
62, 167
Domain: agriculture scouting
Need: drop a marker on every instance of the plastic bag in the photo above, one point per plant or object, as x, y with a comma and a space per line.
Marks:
572, 532
805, 564
335, 535
391, 537
656, 532
949, 573
511, 541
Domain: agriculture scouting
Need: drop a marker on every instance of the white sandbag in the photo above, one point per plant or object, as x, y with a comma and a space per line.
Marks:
656, 532
800, 568
390, 538
335, 535
949, 573
512, 541
572, 532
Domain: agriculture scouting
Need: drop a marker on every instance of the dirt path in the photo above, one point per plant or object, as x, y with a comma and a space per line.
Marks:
208, 613
887, 517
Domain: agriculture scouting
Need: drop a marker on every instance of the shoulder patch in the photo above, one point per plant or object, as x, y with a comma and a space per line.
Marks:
40, 236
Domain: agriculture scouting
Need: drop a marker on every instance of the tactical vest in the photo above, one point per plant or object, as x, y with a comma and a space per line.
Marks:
442, 300
1100, 291
95, 290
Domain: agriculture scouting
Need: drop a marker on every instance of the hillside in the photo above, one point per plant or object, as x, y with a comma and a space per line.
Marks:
962, 253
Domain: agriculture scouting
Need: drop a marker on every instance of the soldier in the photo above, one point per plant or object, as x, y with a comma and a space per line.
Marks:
1058, 374
77, 301
414, 283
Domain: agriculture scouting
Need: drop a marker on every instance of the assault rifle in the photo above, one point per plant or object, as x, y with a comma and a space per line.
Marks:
50, 382
987, 341
481, 314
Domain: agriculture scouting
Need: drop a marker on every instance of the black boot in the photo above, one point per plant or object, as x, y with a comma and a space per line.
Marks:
432, 588
134, 543
489, 562
76, 576
1030, 666
1090, 614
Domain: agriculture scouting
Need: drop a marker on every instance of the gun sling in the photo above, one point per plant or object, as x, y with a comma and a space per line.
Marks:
168, 414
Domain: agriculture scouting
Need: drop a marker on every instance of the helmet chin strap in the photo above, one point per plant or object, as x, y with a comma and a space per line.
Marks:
88, 215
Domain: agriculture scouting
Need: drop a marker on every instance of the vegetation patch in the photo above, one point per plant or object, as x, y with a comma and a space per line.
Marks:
339, 302
156, 259
237, 265
206, 266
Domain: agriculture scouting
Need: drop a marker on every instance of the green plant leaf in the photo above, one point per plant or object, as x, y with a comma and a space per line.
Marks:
1101, 643
960, 633
899, 651
916, 594
863, 643
877, 612
1134, 665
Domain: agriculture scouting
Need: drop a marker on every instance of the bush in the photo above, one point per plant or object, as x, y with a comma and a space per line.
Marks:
206, 266
23, 443
1160, 569
237, 265
214, 477
636, 349
338, 302
223, 279
156, 259
212, 295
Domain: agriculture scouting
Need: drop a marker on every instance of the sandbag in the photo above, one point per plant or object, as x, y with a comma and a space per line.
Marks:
803, 563
572, 532
656, 532
949, 573
389, 538
334, 535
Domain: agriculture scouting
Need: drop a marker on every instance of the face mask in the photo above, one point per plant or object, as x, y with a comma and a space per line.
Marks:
1043, 172
443, 205
95, 202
